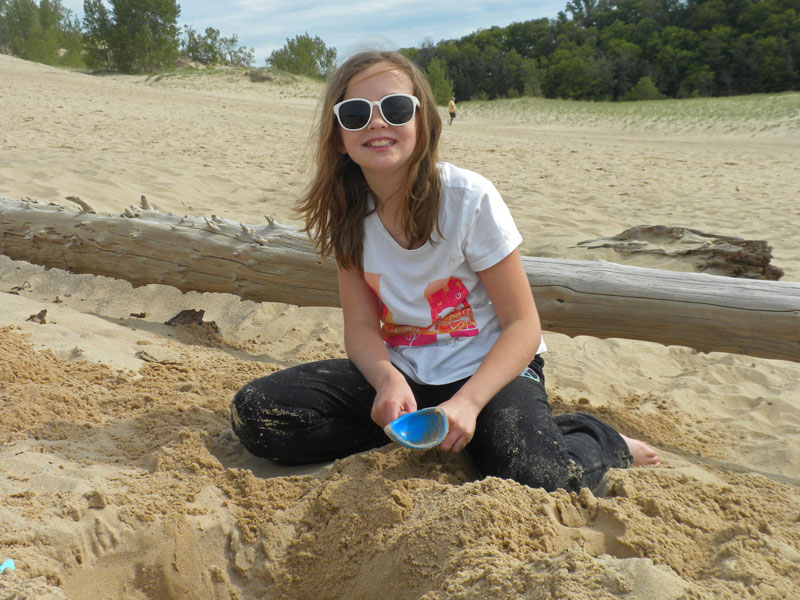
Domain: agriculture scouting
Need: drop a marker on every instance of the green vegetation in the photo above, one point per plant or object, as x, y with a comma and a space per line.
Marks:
45, 32
606, 49
138, 36
593, 50
304, 55
645, 89
132, 36
211, 49
775, 114
441, 85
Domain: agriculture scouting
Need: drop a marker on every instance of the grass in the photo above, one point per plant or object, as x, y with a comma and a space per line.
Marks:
250, 79
754, 114
757, 114
222, 74
187, 73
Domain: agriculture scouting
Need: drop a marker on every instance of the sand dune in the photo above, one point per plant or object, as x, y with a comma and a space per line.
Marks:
120, 475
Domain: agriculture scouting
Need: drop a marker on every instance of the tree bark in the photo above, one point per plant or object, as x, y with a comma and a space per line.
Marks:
277, 263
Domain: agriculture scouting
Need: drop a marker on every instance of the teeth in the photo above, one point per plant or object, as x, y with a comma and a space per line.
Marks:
381, 143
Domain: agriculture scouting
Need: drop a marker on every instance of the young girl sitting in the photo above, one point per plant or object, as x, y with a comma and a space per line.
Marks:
437, 307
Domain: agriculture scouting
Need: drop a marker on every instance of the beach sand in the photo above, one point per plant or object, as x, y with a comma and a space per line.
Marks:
119, 474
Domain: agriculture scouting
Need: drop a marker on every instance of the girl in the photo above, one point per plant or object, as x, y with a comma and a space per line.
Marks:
437, 307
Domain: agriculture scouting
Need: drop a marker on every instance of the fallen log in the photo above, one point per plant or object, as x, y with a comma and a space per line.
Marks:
709, 313
276, 263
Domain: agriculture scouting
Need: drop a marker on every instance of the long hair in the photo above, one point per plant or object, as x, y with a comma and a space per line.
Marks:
335, 205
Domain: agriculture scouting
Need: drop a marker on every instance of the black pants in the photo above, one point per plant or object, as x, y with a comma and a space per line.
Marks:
320, 411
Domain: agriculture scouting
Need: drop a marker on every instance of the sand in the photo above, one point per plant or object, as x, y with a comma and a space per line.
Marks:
120, 477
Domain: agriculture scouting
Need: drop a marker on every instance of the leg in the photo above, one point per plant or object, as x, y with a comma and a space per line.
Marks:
593, 444
310, 413
518, 438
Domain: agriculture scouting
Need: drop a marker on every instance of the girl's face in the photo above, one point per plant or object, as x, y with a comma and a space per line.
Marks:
380, 149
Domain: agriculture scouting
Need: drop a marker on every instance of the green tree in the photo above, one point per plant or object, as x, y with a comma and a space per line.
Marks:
21, 32
471, 75
145, 34
212, 49
699, 81
575, 72
98, 27
531, 38
624, 60
138, 35
70, 47
583, 11
304, 55
43, 32
441, 84
234, 54
530, 77
202, 48
600, 48
709, 13
644, 89
777, 72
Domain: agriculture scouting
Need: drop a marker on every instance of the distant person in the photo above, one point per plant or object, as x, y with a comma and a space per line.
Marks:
451, 108
436, 305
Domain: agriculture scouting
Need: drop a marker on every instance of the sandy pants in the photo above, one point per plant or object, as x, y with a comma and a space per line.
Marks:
320, 411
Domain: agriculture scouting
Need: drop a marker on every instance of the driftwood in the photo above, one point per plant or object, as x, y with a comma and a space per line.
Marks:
273, 262
709, 252
277, 263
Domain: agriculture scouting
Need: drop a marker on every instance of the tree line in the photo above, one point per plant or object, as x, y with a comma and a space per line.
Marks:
625, 49
44, 32
132, 36
135, 36
593, 49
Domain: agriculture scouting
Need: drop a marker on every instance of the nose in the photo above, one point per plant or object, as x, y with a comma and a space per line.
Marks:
376, 119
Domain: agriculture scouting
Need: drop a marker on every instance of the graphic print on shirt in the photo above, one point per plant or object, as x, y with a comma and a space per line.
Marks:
451, 314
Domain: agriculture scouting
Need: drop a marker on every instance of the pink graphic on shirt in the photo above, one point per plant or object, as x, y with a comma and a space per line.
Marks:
450, 311
450, 314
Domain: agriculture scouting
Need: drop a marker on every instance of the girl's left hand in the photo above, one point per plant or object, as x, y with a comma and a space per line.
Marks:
461, 417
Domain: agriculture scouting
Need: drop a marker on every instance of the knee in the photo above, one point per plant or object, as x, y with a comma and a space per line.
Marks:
260, 423
247, 407
552, 472
557, 473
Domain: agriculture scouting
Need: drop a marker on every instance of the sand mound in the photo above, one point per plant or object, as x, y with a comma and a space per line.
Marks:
131, 484
119, 474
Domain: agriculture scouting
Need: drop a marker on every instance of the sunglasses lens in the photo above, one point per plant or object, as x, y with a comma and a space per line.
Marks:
354, 114
397, 110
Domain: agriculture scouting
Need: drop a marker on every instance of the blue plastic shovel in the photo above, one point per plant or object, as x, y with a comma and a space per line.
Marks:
420, 430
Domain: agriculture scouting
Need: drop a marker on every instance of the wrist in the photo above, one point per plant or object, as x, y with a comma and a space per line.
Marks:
469, 400
389, 375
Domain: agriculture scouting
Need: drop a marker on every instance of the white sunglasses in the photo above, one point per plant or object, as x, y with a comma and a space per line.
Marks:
355, 114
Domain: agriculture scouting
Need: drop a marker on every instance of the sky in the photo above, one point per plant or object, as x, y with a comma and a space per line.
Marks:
349, 26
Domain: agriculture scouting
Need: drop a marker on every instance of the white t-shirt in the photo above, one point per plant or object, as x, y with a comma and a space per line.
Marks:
436, 316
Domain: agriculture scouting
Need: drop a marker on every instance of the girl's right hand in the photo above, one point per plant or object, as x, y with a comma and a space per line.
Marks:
393, 399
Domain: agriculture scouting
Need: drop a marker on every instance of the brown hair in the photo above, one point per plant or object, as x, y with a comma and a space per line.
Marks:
335, 205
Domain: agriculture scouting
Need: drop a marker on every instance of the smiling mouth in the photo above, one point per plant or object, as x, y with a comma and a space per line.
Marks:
379, 143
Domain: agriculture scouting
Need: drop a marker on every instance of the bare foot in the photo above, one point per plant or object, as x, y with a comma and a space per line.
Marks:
643, 455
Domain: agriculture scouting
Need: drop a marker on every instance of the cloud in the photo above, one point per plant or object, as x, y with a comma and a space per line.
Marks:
265, 25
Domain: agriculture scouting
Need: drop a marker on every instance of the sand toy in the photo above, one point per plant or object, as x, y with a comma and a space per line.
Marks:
420, 430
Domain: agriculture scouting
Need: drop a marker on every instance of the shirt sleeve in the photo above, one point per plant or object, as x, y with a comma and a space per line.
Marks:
493, 235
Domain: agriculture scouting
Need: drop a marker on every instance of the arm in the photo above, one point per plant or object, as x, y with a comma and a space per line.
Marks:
364, 346
511, 297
